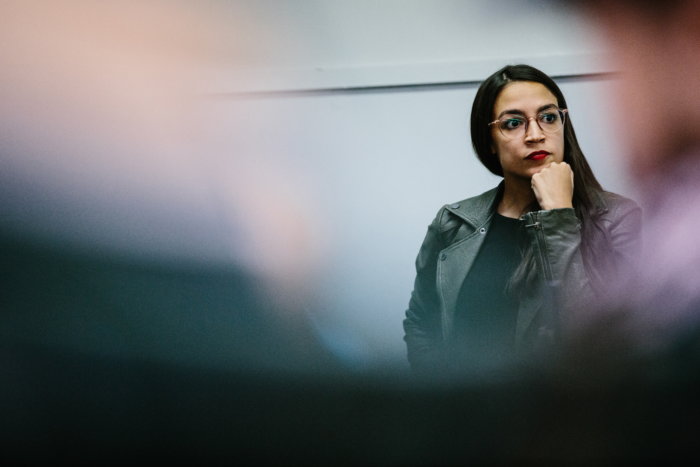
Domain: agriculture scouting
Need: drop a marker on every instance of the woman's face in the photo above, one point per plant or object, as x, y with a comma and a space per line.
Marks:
523, 156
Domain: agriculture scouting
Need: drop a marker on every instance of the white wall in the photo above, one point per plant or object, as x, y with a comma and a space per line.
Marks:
312, 44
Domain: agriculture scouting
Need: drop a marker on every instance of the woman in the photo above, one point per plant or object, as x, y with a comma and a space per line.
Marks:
501, 273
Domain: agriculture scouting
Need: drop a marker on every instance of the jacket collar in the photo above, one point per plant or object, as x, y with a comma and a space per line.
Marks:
479, 209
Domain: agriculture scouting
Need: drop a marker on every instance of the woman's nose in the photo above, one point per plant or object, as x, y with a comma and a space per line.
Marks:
533, 132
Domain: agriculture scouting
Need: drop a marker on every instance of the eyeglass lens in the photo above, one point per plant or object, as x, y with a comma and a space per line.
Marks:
515, 125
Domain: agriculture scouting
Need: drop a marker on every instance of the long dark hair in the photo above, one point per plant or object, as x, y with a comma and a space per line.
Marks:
585, 183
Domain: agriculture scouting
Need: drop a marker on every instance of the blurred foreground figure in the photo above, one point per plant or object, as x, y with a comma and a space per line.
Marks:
124, 231
646, 335
655, 46
134, 260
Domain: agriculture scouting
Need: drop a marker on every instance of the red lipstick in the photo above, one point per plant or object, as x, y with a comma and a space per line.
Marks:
537, 155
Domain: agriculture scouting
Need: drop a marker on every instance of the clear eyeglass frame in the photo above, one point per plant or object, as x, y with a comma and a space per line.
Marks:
521, 130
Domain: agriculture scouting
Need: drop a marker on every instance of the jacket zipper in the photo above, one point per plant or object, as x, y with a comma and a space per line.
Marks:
539, 236
552, 330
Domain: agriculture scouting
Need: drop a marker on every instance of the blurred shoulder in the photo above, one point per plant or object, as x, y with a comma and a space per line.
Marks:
616, 203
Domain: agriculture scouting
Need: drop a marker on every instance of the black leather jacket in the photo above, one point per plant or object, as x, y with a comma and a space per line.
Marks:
455, 237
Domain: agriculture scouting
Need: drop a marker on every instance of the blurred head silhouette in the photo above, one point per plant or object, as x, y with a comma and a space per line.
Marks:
107, 156
653, 46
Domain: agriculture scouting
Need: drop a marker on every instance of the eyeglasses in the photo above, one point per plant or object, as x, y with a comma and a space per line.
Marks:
512, 125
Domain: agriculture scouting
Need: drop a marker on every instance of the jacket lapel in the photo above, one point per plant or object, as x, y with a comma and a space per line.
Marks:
455, 261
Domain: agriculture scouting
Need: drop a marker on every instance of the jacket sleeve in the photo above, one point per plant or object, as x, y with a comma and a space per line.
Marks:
569, 282
619, 231
421, 325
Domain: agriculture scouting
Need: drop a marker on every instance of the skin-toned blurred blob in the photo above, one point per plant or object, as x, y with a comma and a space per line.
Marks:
656, 50
654, 45
104, 140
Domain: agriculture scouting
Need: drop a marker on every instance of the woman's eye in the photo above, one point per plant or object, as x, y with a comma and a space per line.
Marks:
549, 117
511, 123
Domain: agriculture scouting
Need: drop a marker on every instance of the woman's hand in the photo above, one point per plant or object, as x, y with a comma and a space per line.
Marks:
554, 186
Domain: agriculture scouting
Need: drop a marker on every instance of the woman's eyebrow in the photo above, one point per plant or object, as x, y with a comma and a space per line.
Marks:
511, 111
520, 112
545, 107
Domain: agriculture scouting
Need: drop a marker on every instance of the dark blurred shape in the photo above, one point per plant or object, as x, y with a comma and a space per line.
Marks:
136, 259
80, 407
196, 316
107, 359
649, 324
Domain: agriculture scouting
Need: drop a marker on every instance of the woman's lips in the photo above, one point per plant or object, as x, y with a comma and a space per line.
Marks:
537, 155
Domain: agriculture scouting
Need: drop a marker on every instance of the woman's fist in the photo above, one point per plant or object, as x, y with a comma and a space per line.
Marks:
554, 186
